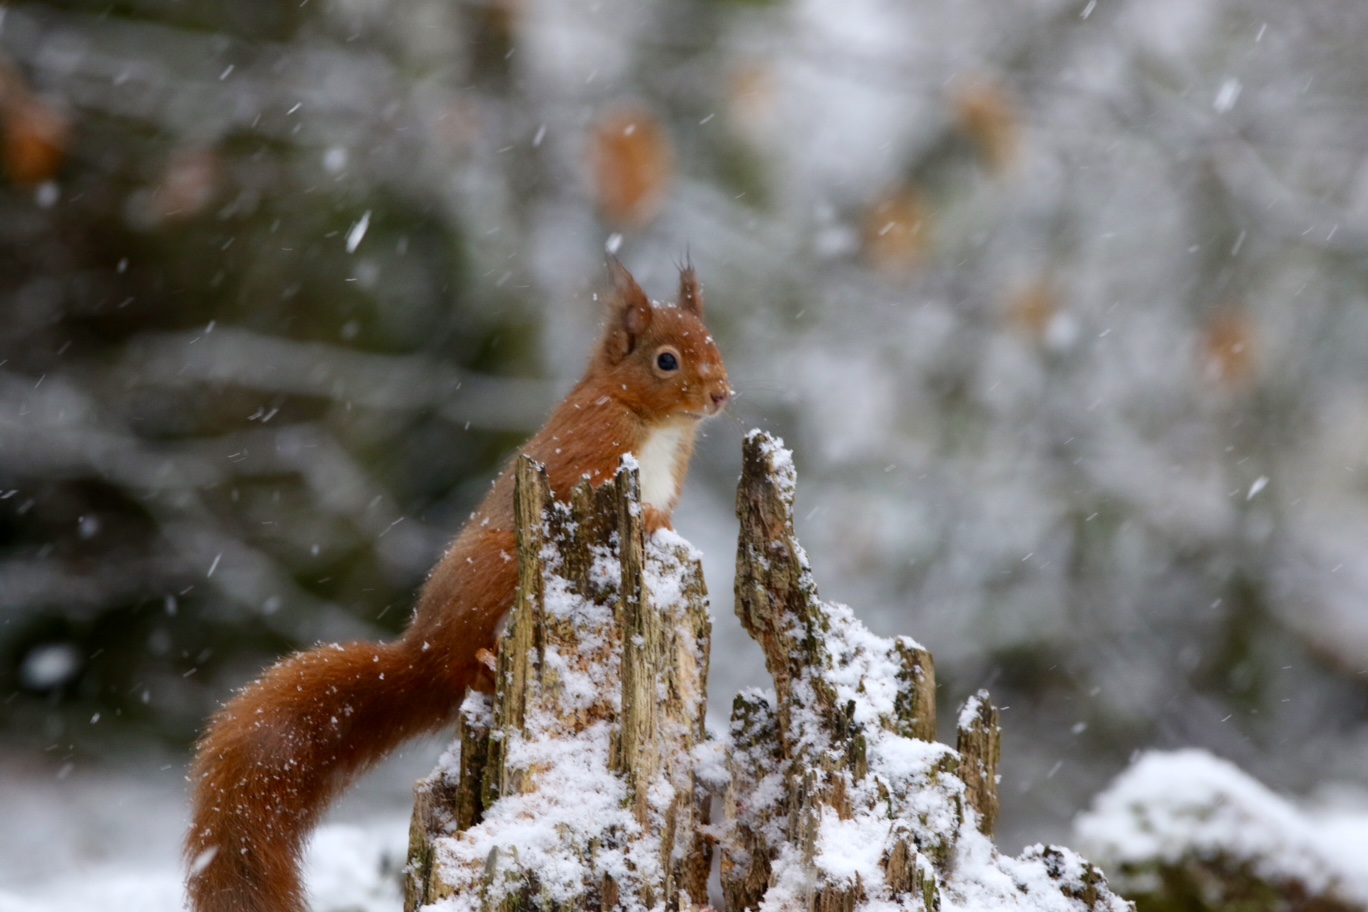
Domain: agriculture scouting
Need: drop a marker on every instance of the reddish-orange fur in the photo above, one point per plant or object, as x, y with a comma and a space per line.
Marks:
275, 756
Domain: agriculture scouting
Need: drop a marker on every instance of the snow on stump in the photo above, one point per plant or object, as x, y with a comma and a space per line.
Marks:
839, 798
584, 783
1184, 830
575, 784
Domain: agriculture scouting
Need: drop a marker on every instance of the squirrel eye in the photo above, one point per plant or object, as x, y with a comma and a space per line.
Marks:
667, 362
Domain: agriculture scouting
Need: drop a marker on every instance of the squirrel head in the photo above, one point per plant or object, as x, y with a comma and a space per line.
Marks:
661, 362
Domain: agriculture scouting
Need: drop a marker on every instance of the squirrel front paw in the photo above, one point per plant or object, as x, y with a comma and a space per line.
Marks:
484, 678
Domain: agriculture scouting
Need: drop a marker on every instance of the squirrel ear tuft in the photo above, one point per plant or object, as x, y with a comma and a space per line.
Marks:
630, 312
690, 292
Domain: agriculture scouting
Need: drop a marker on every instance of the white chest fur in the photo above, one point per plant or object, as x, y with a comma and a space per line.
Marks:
659, 459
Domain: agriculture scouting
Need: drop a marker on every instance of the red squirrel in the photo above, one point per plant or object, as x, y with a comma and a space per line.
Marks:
274, 757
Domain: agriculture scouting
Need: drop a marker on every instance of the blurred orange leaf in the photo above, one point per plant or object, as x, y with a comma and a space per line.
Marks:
36, 137
987, 116
896, 230
632, 165
1033, 307
1228, 348
752, 102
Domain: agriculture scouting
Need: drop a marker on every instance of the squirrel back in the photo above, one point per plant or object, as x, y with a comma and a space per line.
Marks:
273, 759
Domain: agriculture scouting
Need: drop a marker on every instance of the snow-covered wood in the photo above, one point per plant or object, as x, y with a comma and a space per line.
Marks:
839, 799
584, 760
978, 738
585, 783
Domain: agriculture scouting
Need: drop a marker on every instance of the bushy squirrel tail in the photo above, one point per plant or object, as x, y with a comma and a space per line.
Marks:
278, 753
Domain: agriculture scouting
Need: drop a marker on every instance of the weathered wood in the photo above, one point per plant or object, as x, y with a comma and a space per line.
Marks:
433, 799
774, 585
916, 700
843, 752
595, 671
448, 802
979, 742
821, 719
637, 756
836, 797
531, 499
472, 731
754, 763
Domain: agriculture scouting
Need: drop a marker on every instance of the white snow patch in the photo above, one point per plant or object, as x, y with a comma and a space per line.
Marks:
576, 801
850, 851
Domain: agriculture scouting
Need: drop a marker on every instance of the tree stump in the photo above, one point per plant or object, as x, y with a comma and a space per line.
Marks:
575, 785
839, 797
582, 784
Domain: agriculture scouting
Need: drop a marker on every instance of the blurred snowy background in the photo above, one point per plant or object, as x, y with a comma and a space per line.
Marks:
1062, 306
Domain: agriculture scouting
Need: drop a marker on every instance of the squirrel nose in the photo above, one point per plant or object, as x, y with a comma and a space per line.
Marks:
720, 397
